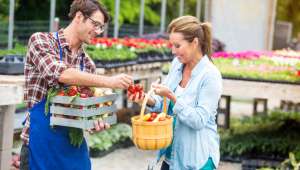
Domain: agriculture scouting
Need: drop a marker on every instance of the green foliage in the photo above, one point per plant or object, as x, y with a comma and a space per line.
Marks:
166, 67
274, 135
19, 50
288, 10
130, 11
290, 163
150, 49
110, 54
76, 136
50, 94
4, 9
262, 68
297, 66
106, 139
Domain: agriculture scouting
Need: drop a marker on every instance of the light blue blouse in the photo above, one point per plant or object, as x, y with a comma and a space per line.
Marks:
195, 131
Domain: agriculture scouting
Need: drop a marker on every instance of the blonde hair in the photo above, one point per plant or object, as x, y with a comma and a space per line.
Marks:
191, 28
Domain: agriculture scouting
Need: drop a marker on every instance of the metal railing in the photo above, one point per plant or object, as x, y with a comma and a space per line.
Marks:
24, 29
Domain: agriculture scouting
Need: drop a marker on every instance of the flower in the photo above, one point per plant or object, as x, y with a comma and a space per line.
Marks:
298, 73
119, 46
98, 45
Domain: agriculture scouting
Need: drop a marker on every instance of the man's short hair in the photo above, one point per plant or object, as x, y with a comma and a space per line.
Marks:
87, 8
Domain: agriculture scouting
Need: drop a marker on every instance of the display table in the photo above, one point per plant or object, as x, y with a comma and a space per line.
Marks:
273, 92
11, 93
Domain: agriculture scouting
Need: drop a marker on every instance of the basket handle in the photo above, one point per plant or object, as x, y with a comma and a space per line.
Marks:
165, 105
146, 99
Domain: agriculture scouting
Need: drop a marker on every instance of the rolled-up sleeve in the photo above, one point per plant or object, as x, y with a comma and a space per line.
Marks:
158, 104
45, 59
207, 102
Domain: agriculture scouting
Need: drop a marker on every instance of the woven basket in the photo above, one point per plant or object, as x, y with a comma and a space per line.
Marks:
151, 135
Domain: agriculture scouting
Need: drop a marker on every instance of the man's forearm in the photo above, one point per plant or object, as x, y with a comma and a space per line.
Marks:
72, 76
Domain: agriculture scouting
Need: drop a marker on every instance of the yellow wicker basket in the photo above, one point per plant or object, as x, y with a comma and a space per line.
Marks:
151, 135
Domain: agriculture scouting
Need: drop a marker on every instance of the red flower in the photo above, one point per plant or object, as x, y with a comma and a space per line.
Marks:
298, 73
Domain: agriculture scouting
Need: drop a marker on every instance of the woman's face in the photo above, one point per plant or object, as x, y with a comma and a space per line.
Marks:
181, 48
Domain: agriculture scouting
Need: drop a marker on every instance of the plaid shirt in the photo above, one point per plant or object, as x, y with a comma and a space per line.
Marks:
43, 68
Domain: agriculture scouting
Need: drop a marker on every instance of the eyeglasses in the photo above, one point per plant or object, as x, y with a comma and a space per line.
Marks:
97, 25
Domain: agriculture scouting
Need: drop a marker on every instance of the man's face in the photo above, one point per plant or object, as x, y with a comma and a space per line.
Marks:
91, 26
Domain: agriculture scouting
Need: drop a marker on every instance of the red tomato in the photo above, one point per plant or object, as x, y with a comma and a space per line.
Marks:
150, 119
72, 91
135, 90
131, 88
153, 115
61, 93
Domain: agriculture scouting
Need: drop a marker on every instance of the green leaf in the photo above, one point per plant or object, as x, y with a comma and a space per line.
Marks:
50, 94
76, 136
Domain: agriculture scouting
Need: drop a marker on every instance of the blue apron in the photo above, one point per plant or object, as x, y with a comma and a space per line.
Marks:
50, 148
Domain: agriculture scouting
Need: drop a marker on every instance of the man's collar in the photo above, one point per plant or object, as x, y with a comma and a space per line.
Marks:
64, 43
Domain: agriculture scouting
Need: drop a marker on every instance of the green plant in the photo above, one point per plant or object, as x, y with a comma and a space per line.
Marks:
106, 139
19, 50
110, 54
131, 10
291, 163
271, 136
263, 69
288, 11
165, 68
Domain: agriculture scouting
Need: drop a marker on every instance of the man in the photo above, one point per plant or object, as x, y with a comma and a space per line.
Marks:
55, 59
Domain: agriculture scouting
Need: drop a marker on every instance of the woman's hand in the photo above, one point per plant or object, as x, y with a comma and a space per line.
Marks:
164, 91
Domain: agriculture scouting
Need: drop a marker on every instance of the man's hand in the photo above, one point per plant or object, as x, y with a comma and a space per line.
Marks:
99, 126
121, 81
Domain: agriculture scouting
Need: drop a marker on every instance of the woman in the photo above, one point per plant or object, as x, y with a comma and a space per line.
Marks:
193, 88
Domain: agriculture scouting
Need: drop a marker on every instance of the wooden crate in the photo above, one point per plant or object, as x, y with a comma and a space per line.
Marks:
78, 113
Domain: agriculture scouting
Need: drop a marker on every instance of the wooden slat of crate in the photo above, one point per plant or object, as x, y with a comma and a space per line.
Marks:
84, 101
82, 124
60, 110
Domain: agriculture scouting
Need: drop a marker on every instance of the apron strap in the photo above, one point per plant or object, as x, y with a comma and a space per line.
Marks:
61, 53
81, 63
60, 49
